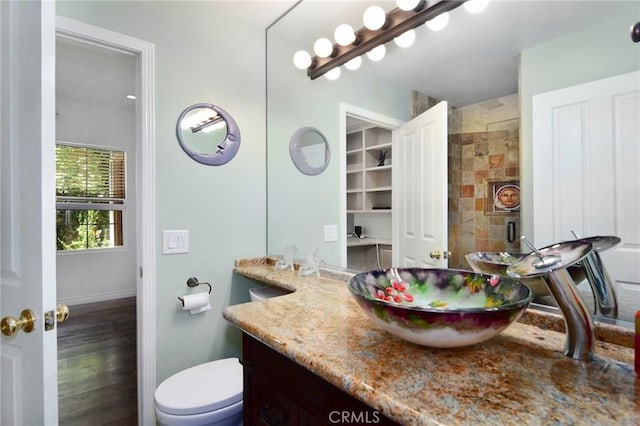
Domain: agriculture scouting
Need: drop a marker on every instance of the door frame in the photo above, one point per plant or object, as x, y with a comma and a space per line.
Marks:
378, 120
145, 196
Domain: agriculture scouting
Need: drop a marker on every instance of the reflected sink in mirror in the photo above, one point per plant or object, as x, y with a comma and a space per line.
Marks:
443, 308
498, 262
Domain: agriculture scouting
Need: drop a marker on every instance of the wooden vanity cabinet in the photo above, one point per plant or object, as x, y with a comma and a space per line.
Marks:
277, 391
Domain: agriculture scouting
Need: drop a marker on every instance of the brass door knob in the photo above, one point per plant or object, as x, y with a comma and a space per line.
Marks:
435, 254
62, 313
25, 322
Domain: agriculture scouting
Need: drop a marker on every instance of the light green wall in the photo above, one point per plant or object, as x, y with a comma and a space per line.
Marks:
299, 205
592, 54
201, 56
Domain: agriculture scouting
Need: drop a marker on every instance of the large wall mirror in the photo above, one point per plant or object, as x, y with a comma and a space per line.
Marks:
484, 64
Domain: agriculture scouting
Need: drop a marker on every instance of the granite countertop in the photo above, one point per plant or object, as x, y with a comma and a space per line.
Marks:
519, 377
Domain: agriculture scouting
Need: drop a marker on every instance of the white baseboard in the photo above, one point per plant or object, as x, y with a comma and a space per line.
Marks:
100, 297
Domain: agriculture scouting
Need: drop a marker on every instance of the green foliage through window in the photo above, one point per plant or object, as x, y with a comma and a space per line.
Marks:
90, 197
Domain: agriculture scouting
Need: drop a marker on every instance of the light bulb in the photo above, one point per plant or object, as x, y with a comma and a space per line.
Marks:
354, 63
333, 74
439, 22
374, 18
377, 53
203, 116
302, 59
323, 47
344, 35
406, 39
407, 4
476, 6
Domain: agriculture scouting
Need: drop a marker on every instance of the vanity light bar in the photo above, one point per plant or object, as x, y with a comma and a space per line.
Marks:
398, 21
210, 122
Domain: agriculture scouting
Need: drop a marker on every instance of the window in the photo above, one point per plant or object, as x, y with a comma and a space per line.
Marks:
90, 197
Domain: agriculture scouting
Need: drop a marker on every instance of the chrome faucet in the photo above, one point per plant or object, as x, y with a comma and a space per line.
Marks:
551, 264
604, 294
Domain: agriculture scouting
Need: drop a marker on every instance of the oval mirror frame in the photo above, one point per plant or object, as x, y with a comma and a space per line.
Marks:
225, 150
299, 150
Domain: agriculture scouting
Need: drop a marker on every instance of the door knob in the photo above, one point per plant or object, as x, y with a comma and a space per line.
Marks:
435, 254
25, 322
59, 315
62, 313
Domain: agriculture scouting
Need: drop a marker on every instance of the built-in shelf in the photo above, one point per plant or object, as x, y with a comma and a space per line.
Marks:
369, 184
380, 146
367, 241
378, 211
368, 192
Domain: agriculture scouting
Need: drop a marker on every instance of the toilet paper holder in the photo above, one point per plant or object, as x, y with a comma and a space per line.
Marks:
193, 282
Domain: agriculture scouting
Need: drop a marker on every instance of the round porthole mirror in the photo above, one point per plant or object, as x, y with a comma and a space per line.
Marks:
208, 134
309, 150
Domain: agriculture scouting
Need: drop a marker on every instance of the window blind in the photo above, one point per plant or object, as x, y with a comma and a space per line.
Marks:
90, 197
89, 175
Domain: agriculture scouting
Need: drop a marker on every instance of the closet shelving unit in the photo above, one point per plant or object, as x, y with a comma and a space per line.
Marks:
369, 185
369, 189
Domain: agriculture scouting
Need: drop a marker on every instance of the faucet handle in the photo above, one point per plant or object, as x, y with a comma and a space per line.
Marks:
548, 259
544, 261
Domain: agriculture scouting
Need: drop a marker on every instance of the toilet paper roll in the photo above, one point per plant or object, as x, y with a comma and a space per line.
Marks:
196, 303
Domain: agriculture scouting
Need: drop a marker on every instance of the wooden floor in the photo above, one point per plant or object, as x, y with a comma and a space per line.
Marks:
97, 364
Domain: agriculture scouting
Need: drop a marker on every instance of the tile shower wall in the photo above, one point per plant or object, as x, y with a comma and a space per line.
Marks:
484, 148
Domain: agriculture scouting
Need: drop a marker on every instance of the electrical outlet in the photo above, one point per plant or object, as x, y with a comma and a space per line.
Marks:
330, 233
175, 242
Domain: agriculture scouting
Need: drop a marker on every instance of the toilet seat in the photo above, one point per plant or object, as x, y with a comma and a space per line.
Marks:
203, 388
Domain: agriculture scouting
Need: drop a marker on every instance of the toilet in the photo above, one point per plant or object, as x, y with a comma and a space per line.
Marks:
206, 394
266, 292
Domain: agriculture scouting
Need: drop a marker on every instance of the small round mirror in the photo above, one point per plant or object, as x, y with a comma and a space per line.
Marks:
309, 150
208, 134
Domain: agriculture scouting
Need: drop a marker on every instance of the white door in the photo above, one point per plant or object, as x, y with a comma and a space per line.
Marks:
29, 394
586, 148
420, 185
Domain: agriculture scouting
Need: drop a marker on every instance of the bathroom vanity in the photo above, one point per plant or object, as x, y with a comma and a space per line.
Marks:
278, 391
313, 352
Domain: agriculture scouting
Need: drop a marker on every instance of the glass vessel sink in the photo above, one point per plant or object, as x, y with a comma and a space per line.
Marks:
442, 308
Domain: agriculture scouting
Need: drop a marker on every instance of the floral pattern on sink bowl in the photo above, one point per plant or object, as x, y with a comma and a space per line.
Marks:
442, 308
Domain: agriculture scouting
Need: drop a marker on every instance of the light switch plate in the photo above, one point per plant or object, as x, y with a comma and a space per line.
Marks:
330, 233
175, 242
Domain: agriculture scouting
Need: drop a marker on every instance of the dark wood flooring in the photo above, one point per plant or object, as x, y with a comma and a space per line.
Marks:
97, 365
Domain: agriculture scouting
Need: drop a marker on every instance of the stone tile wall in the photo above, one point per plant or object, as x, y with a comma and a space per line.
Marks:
483, 149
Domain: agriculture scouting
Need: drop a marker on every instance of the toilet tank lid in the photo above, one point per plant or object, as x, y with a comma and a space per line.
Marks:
202, 388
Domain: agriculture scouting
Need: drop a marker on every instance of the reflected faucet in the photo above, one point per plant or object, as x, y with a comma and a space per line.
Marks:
551, 263
604, 294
